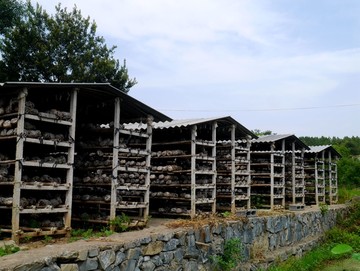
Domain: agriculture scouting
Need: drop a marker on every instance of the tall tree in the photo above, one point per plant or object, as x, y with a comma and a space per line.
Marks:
62, 47
10, 11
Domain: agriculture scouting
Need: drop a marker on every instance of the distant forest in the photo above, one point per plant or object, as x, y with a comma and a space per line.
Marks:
349, 164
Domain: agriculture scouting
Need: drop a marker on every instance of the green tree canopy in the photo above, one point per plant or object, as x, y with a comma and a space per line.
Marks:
62, 47
10, 11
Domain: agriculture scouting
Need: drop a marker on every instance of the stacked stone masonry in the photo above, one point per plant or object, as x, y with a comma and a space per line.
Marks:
265, 239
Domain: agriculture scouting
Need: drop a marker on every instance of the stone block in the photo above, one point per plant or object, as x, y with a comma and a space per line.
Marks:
106, 258
153, 248
246, 213
171, 244
69, 267
296, 207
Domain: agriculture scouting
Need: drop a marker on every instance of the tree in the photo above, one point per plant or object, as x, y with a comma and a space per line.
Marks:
10, 11
62, 47
258, 132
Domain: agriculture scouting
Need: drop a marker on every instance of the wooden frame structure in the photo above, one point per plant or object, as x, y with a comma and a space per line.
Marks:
43, 143
233, 171
321, 175
277, 171
190, 148
38, 123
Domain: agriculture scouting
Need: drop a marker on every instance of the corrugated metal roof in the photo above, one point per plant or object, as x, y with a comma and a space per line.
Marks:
271, 138
131, 104
320, 148
288, 137
190, 122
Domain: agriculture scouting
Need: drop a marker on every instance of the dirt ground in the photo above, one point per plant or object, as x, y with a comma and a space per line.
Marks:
60, 246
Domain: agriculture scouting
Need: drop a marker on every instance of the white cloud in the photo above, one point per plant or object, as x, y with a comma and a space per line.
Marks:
255, 55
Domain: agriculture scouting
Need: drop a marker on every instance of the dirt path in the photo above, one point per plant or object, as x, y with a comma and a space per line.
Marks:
61, 247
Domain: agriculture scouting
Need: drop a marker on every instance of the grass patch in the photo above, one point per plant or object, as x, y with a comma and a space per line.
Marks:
346, 232
346, 193
8, 249
82, 234
231, 258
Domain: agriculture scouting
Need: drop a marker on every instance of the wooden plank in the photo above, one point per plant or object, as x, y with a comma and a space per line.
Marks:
45, 165
48, 119
133, 133
44, 210
48, 142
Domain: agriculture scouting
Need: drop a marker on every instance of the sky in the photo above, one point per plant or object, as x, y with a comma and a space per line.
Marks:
289, 66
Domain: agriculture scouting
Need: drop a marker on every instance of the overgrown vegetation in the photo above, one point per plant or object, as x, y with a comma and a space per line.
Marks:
346, 233
120, 223
77, 234
232, 256
349, 164
8, 249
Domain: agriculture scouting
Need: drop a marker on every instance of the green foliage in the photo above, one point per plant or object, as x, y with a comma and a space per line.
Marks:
120, 223
340, 249
47, 239
356, 256
346, 194
10, 12
77, 234
349, 164
324, 208
339, 236
316, 259
62, 47
226, 214
8, 249
258, 132
232, 256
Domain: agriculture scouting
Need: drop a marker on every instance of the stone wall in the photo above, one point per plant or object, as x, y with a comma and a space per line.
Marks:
264, 238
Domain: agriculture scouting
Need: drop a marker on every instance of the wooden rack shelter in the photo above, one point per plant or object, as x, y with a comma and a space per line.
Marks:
277, 171
321, 175
39, 151
184, 177
233, 182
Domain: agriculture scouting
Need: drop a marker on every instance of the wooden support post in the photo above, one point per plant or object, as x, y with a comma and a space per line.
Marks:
148, 165
316, 180
71, 154
293, 173
193, 169
323, 176
283, 171
272, 176
248, 168
115, 162
233, 145
18, 166
213, 167
330, 178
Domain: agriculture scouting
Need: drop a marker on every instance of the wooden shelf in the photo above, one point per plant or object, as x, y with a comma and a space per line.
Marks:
47, 118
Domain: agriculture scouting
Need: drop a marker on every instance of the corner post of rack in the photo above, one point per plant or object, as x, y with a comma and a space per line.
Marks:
70, 159
149, 132
115, 161
193, 173
18, 166
213, 167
